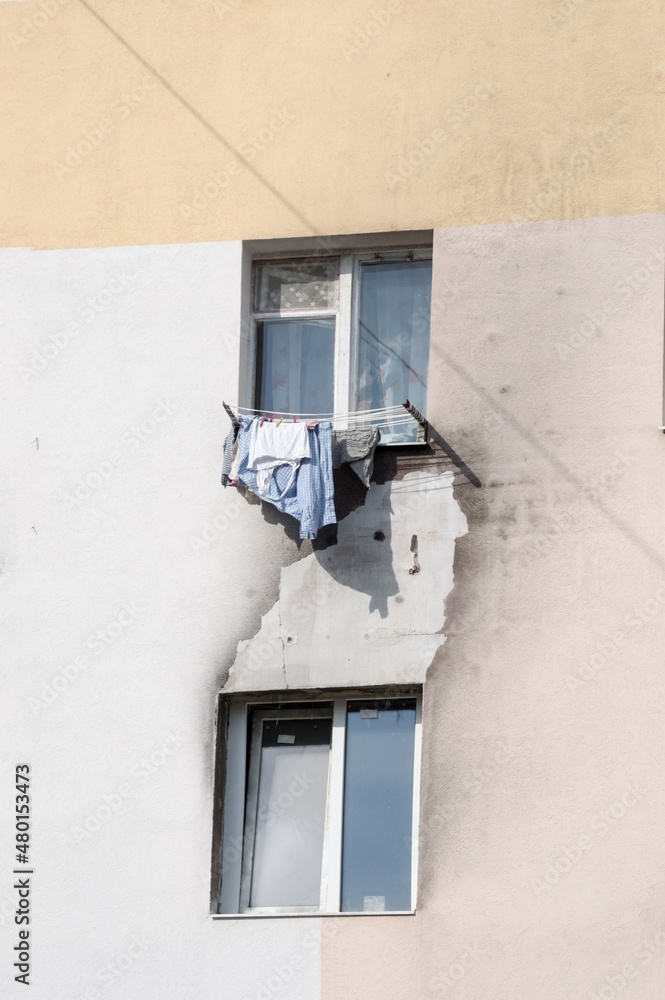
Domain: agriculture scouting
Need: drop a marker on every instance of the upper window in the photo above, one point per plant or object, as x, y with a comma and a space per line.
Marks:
343, 333
320, 807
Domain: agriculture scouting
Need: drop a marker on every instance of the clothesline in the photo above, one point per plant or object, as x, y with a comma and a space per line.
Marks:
400, 414
379, 419
380, 411
376, 418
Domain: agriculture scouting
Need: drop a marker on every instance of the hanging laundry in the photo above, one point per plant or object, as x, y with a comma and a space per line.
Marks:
227, 459
356, 446
272, 445
235, 462
305, 493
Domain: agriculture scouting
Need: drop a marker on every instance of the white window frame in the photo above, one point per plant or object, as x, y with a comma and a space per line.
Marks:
240, 796
274, 713
346, 315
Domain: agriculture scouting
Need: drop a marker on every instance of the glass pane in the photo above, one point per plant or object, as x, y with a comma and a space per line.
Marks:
291, 813
295, 366
393, 340
301, 284
378, 801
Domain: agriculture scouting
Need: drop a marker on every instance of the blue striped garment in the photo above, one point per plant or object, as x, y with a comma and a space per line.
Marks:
311, 496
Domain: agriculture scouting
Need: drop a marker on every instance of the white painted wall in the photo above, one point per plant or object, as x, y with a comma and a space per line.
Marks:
127, 412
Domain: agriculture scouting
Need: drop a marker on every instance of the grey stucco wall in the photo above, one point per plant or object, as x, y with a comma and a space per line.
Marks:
542, 803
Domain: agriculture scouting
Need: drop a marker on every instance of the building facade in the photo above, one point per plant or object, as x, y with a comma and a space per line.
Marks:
502, 580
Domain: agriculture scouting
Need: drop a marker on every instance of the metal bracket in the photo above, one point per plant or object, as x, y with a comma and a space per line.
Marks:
232, 417
417, 415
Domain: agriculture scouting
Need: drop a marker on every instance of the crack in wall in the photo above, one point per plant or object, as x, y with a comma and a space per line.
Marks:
283, 644
355, 614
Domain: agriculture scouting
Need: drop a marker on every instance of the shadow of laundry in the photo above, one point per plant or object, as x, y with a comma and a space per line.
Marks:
362, 559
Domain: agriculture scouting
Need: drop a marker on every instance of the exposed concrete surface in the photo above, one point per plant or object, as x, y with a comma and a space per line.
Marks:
357, 613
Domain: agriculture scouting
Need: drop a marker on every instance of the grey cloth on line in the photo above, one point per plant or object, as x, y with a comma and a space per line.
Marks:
356, 446
228, 455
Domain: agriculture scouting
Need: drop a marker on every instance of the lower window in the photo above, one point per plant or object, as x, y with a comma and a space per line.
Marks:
320, 806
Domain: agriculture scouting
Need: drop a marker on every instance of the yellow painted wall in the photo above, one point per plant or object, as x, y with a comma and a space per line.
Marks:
521, 109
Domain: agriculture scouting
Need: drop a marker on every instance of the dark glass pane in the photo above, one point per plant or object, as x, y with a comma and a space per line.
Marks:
295, 366
378, 802
393, 339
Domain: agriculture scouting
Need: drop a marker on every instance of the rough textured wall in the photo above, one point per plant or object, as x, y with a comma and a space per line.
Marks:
369, 609
166, 122
542, 801
127, 578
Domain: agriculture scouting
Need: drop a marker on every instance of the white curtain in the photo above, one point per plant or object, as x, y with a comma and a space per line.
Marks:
394, 335
291, 814
297, 366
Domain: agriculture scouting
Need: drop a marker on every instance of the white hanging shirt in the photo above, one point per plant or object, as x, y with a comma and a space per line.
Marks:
271, 445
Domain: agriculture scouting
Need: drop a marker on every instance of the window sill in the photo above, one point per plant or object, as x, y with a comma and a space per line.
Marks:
321, 913
396, 445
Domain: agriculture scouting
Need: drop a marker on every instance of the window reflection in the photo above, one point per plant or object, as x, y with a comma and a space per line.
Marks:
378, 797
393, 339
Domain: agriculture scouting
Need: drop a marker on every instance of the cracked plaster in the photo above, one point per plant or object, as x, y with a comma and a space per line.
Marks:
353, 614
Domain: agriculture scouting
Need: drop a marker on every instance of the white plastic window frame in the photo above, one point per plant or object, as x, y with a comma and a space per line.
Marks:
346, 314
275, 713
234, 892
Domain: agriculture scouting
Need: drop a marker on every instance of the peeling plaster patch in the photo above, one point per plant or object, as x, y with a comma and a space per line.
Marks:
361, 613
